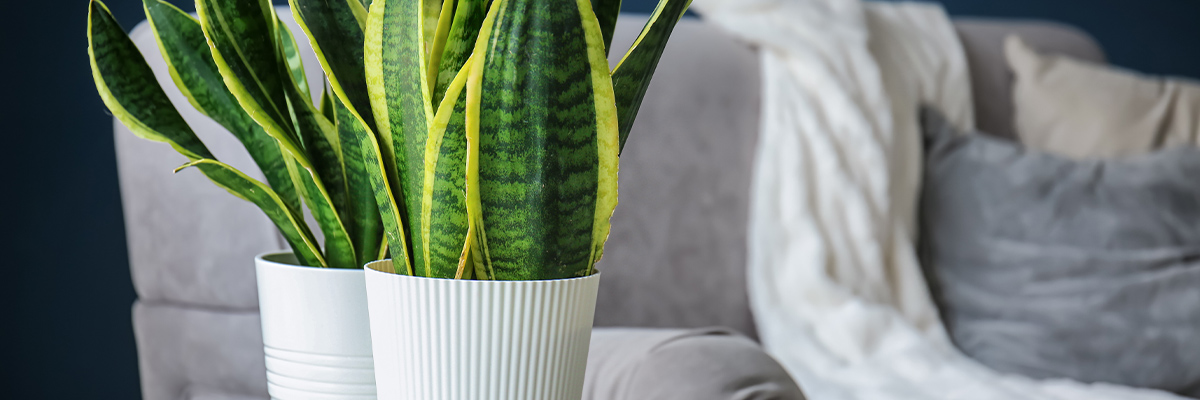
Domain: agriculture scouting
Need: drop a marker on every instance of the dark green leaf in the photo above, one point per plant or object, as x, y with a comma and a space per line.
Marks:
632, 75
606, 13
128, 87
360, 213
337, 38
542, 119
400, 98
291, 55
444, 209
288, 221
459, 43
243, 36
190, 63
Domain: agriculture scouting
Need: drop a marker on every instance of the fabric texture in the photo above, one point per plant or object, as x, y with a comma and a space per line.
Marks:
686, 168
1054, 268
992, 80
1083, 110
838, 296
695, 364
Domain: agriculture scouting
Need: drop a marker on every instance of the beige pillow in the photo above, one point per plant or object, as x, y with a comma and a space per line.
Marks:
1084, 110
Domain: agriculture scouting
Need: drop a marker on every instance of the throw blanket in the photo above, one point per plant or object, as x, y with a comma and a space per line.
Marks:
834, 281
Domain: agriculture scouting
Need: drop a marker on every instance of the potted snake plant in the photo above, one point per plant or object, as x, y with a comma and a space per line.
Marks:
239, 65
472, 145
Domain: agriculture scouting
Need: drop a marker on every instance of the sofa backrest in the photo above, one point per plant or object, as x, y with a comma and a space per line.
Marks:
676, 256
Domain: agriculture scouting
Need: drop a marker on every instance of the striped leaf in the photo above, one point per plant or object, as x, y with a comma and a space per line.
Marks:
541, 117
606, 13
389, 211
291, 56
128, 87
632, 75
323, 184
360, 213
243, 36
327, 104
400, 99
335, 30
458, 44
288, 221
443, 206
182, 43
339, 250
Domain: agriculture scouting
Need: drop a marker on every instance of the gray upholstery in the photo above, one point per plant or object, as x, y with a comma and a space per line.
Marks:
1049, 267
675, 257
696, 364
677, 251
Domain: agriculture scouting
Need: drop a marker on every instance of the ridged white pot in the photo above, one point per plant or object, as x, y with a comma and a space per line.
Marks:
315, 331
446, 339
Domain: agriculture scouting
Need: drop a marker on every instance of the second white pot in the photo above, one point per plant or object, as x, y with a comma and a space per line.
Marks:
446, 339
315, 331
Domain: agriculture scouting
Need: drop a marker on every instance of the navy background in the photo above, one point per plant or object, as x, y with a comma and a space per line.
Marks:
66, 287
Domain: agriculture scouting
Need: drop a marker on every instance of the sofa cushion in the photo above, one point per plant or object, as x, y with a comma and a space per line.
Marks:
991, 80
1055, 268
1085, 110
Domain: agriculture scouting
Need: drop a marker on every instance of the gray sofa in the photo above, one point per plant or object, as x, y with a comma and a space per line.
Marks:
675, 258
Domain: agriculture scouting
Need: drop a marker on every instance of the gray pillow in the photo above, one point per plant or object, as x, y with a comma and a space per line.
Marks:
1055, 268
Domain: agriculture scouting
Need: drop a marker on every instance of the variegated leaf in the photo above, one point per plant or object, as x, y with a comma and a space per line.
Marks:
396, 71
632, 75
186, 52
128, 88
542, 122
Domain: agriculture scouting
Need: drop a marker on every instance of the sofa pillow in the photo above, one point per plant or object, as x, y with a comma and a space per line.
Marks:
1084, 110
1056, 268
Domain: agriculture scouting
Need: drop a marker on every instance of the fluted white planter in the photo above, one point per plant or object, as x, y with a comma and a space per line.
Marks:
445, 339
316, 333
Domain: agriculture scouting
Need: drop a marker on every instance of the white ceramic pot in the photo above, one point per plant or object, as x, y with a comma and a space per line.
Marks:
445, 339
315, 331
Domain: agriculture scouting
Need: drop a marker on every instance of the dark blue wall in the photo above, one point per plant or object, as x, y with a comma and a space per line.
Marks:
1151, 36
67, 293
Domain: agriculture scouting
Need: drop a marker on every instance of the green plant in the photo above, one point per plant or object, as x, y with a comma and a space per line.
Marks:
470, 139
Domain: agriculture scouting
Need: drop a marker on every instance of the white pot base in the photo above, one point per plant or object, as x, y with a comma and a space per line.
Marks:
444, 339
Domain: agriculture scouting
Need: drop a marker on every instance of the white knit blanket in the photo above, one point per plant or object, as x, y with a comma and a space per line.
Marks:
834, 282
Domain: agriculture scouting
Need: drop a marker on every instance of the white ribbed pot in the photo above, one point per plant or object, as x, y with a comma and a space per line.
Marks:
316, 333
446, 339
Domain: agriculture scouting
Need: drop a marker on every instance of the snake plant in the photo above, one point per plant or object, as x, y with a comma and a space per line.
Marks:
468, 139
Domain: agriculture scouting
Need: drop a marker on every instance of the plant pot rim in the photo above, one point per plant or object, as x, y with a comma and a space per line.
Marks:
372, 271
287, 259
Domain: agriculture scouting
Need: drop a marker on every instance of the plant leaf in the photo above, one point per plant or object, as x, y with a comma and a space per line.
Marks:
186, 52
459, 43
291, 55
128, 87
243, 36
322, 183
606, 13
389, 211
444, 225
542, 119
360, 213
632, 75
336, 35
396, 71
327, 104
288, 221
339, 250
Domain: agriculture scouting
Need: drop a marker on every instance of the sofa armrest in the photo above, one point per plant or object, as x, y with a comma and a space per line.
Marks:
669, 364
